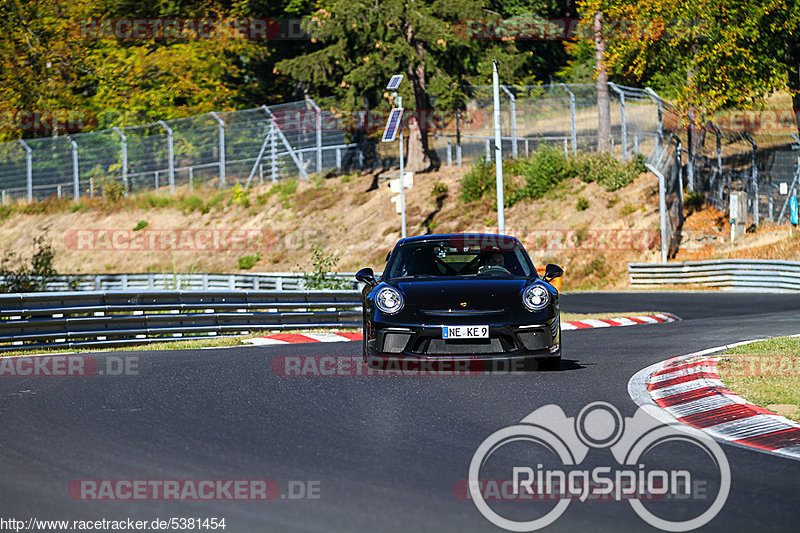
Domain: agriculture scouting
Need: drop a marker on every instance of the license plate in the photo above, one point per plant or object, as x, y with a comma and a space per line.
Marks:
465, 332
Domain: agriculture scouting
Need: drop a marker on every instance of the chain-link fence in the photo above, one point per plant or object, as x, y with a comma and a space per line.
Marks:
298, 139
216, 149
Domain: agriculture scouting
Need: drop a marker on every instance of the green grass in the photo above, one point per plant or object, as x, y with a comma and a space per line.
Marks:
191, 343
767, 373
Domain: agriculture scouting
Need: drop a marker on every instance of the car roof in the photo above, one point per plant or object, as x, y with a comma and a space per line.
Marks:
440, 236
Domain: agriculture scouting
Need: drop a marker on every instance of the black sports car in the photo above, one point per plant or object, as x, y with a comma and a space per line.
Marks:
461, 296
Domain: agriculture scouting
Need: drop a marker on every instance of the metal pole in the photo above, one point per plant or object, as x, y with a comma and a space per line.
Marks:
498, 151
124, 146
221, 124
449, 153
29, 168
513, 102
660, 105
76, 186
754, 176
170, 156
458, 137
574, 133
623, 123
662, 209
318, 127
402, 179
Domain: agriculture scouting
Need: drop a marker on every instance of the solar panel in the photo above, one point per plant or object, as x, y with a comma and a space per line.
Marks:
394, 83
392, 125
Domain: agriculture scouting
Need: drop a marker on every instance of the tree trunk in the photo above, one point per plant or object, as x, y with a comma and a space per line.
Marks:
793, 58
603, 100
420, 157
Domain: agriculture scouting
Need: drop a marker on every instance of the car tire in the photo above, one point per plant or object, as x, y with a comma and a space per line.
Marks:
364, 338
553, 363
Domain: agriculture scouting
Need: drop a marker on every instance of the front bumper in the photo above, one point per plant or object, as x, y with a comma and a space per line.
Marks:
425, 342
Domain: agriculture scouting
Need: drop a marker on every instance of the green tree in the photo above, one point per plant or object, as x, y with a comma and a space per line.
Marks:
361, 43
729, 53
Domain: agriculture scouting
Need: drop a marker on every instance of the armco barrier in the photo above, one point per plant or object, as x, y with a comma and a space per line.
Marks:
736, 274
187, 281
97, 318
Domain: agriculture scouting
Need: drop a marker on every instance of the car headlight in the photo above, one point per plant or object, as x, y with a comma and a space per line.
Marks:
535, 298
389, 300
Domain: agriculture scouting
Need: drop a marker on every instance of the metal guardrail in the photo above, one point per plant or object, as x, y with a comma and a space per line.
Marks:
737, 274
187, 281
97, 318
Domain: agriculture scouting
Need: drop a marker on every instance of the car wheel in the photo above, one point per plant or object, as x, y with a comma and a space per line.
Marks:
364, 338
553, 363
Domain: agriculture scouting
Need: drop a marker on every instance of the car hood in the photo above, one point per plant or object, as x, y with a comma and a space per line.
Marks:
462, 294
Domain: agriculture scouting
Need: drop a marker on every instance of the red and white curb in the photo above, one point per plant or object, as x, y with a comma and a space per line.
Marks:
587, 323
688, 389
296, 338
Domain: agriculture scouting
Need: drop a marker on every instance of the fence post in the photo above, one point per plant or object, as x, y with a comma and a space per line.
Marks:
573, 131
29, 169
76, 185
488, 147
660, 106
273, 152
191, 178
221, 125
754, 176
155, 183
338, 160
513, 102
623, 123
318, 128
449, 153
170, 156
124, 148
4, 197
458, 137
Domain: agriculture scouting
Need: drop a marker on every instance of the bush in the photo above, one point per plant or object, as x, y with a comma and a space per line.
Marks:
246, 262
546, 168
140, 225
29, 279
438, 189
476, 182
192, 203
605, 170
694, 201
111, 189
240, 196
582, 204
320, 276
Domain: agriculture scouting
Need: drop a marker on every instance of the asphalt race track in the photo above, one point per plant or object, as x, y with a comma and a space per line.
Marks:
385, 451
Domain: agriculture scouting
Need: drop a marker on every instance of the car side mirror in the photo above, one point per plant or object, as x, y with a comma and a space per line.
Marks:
366, 275
552, 272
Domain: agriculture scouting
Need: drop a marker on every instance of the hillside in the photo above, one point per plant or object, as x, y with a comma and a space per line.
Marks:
353, 218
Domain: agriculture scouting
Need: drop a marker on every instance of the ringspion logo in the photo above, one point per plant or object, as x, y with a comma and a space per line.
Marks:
544, 467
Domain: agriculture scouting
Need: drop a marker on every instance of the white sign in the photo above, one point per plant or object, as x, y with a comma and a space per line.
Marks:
408, 181
784, 188
734, 206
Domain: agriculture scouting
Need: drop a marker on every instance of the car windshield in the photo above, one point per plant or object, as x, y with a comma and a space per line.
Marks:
446, 258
